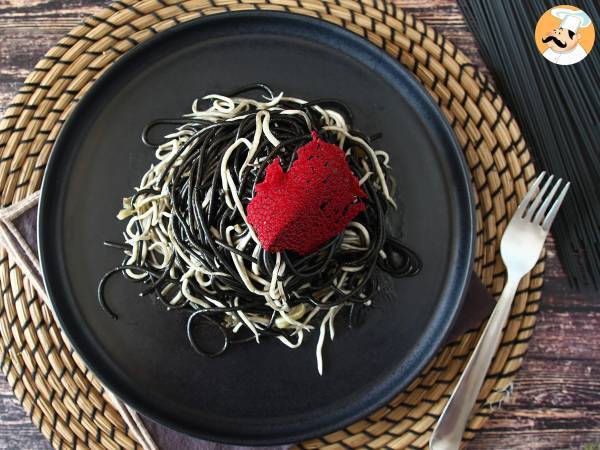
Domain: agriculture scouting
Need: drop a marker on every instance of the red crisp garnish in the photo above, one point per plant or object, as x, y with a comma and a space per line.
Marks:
303, 208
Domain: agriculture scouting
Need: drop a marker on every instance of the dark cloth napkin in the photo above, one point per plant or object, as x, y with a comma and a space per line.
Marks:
18, 233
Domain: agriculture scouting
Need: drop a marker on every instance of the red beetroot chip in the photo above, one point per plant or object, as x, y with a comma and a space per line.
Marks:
312, 202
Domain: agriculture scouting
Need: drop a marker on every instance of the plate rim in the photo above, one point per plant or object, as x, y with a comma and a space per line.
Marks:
432, 116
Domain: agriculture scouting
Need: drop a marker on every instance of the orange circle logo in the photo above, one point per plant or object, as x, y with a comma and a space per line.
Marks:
564, 35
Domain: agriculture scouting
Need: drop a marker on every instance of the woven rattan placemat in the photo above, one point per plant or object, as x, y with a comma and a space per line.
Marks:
64, 399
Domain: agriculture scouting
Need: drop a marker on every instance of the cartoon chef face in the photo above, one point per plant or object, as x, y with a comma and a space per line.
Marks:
561, 39
564, 42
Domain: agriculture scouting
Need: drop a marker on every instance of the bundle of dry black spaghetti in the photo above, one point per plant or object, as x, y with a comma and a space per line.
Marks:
558, 109
190, 239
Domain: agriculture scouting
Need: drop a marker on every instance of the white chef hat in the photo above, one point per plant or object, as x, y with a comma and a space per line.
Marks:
572, 19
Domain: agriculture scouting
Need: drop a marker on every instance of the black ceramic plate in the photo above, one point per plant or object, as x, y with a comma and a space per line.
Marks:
254, 394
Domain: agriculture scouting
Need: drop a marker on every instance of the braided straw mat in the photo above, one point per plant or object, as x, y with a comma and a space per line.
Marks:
65, 400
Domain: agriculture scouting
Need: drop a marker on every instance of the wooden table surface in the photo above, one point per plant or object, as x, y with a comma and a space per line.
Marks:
556, 399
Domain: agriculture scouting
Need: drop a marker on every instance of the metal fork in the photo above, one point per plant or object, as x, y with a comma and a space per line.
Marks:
520, 248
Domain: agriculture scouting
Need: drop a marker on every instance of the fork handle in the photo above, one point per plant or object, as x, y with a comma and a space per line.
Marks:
449, 430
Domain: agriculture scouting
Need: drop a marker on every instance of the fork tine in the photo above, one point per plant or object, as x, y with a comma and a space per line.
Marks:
539, 216
554, 210
530, 193
538, 198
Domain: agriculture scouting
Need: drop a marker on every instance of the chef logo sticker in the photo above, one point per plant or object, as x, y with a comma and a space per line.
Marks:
564, 35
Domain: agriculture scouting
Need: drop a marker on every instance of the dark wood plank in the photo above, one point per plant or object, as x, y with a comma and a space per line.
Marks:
556, 399
576, 384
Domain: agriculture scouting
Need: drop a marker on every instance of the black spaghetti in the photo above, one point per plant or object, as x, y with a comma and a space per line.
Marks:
189, 243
